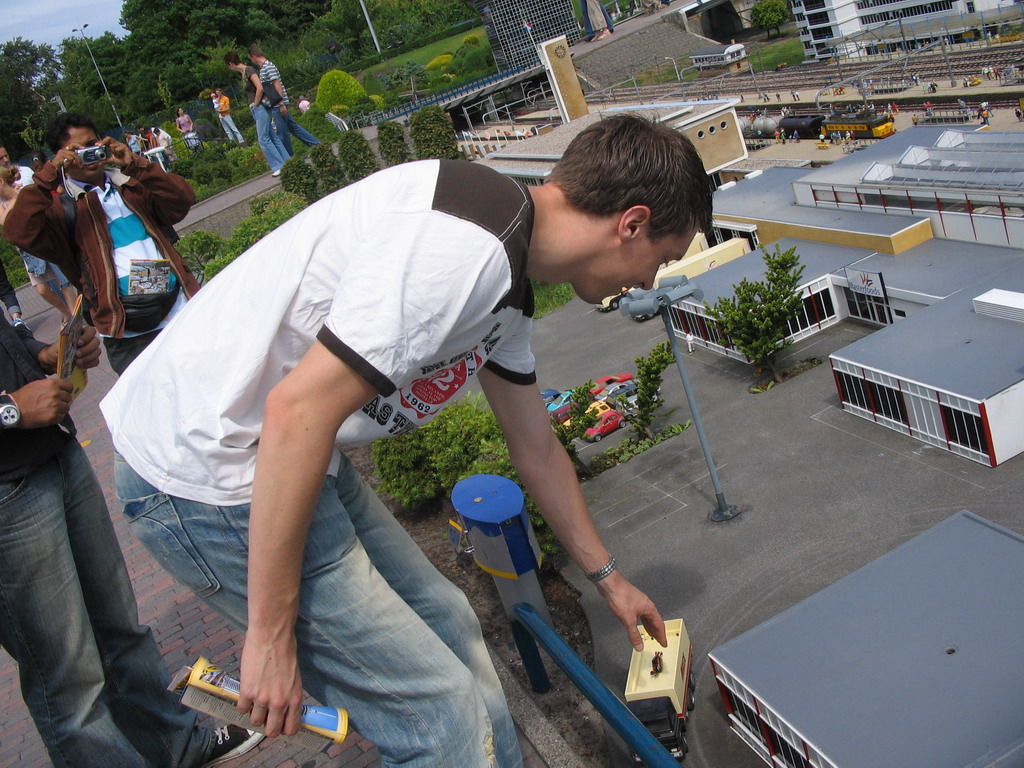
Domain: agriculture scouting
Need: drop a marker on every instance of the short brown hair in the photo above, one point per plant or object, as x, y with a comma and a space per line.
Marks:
255, 50
231, 58
626, 160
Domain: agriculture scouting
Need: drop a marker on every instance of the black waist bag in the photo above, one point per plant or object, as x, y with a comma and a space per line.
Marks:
144, 312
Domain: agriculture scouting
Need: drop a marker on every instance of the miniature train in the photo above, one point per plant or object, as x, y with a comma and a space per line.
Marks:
659, 687
859, 126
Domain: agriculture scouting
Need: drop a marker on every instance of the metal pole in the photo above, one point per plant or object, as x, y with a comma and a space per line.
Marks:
373, 32
98, 74
639, 739
723, 511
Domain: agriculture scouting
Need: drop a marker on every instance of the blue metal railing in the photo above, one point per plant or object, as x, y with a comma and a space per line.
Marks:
639, 739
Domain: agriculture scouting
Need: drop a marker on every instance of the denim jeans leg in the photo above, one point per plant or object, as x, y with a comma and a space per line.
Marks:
281, 126
92, 677
272, 149
299, 132
426, 701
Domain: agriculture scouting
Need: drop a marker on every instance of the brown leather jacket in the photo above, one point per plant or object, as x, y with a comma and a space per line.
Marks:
36, 224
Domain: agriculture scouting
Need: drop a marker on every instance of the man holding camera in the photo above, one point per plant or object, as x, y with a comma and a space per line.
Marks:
105, 233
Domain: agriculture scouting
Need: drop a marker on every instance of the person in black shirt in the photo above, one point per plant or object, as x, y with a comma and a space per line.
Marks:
92, 677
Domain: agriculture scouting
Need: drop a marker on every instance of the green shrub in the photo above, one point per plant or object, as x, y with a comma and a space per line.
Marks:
377, 101
183, 166
391, 143
246, 163
315, 121
337, 87
327, 170
464, 439
270, 212
297, 178
198, 248
373, 86
433, 135
440, 62
471, 40
13, 264
355, 156
469, 60
210, 173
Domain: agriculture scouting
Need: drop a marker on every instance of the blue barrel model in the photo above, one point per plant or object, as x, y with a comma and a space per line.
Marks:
494, 516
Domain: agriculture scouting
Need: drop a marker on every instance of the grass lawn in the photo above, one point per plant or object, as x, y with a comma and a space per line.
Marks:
766, 55
427, 53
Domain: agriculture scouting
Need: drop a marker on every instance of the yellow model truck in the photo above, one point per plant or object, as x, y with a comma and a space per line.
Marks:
659, 687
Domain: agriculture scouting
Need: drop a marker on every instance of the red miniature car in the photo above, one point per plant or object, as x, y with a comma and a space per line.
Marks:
607, 423
604, 381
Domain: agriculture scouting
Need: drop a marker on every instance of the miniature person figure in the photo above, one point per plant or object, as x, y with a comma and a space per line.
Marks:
244, 462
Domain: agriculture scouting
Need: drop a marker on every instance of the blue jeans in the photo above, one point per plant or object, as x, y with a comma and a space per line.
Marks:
269, 140
286, 125
92, 677
380, 632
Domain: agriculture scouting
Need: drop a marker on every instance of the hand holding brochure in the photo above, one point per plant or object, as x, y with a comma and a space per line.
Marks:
67, 346
207, 688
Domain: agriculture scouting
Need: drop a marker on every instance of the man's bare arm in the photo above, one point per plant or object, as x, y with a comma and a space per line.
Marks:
303, 414
549, 476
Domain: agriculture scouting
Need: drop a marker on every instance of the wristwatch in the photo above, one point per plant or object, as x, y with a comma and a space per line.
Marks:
10, 413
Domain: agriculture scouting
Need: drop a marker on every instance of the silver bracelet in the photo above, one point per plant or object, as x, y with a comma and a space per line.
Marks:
603, 572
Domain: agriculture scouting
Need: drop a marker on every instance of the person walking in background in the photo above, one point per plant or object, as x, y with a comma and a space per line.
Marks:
267, 137
283, 120
222, 105
188, 129
597, 24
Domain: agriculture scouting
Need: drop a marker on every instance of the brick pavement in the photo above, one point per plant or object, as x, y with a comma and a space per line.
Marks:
183, 625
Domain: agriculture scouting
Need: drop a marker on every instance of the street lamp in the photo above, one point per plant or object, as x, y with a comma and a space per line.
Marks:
675, 66
89, 49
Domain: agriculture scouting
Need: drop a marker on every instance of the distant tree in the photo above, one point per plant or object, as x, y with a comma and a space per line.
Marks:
28, 73
769, 15
756, 319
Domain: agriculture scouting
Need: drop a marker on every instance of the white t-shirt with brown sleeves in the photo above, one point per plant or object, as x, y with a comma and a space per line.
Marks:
414, 277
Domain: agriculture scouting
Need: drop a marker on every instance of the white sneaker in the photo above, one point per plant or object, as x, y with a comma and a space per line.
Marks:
276, 173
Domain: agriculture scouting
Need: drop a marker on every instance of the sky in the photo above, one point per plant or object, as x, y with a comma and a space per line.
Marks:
50, 21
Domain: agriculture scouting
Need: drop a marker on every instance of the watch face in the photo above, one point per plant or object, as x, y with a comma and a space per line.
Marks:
9, 415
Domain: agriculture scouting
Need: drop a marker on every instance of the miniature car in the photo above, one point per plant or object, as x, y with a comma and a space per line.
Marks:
620, 390
547, 395
607, 423
598, 408
611, 303
604, 381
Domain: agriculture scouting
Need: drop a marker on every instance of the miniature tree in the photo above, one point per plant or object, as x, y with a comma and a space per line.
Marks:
579, 420
649, 372
338, 88
756, 320
433, 135
355, 156
391, 143
326, 169
769, 15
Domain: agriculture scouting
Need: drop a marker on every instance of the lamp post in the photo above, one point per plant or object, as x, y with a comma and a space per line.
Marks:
373, 32
674, 65
89, 49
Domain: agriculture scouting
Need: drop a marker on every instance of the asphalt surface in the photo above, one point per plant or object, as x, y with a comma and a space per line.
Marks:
822, 493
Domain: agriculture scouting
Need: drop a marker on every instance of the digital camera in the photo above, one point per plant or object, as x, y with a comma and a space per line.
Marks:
92, 154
